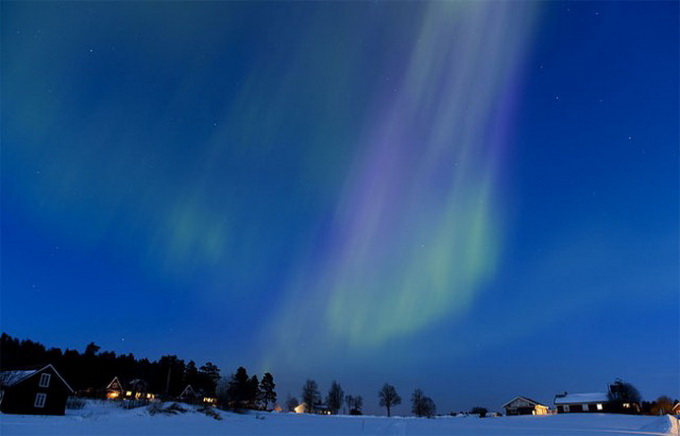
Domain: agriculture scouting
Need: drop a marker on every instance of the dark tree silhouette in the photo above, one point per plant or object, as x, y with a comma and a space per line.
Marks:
310, 395
253, 398
209, 375
388, 398
267, 386
623, 392
663, 405
334, 398
237, 391
422, 405
354, 404
291, 403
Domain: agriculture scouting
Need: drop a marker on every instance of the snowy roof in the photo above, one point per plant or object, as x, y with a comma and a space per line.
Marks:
528, 400
10, 378
596, 397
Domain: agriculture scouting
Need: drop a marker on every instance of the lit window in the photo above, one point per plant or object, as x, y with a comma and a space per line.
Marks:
599, 407
44, 380
40, 400
626, 405
584, 407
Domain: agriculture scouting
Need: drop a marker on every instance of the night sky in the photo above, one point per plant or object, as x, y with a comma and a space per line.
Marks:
477, 199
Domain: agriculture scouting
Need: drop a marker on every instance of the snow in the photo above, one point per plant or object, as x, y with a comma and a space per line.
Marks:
10, 378
596, 397
103, 418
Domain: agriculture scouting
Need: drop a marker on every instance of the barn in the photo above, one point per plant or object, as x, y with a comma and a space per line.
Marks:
34, 391
524, 406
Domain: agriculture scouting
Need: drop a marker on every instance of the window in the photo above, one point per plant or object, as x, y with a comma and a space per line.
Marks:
2, 395
40, 400
584, 407
566, 408
599, 407
44, 380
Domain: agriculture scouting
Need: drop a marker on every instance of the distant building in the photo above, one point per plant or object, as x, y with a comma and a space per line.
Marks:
597, 402
319, 409
613, 401
193, 396
34, 392
114, 390
188, 395
524, 406
136, 389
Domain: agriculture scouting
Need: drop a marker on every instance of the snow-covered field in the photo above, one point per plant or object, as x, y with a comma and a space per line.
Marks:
100, 419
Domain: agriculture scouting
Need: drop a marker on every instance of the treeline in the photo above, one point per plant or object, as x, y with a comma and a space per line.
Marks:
90, 371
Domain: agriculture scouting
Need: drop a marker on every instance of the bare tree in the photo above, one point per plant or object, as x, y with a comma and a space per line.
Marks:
389, 397
422, 405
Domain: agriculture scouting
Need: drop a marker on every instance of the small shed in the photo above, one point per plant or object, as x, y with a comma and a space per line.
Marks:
34, 391
524, 406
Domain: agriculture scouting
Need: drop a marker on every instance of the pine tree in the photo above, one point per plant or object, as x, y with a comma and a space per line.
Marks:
210, 374
334, 398
267, 386
237, 392
253, 400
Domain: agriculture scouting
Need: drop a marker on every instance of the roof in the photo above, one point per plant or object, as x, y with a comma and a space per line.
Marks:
529, 400
113, 381
189, 390
13, 378
10, 378
596, 397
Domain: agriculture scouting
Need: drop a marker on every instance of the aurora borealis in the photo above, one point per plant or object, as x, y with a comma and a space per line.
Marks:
365, 192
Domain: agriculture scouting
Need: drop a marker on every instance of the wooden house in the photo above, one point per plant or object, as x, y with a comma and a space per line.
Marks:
114, 390
34, 392
524, 406
597, 402
613, 401
194, 396
136, 389
188, 395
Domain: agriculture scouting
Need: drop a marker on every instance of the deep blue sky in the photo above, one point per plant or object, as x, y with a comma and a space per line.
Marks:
478, 199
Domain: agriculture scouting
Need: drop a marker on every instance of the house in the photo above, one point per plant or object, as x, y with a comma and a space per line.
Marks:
34, 391
319, 409
597, 402
190, 395
616, 400
676, 409
524, 406
114, 390
136, 389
